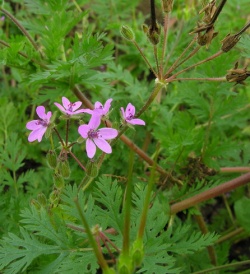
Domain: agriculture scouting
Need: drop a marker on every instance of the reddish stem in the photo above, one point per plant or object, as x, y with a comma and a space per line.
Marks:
210, 193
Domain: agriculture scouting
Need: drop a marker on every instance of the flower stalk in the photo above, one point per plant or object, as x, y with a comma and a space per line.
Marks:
97, 252
22, 29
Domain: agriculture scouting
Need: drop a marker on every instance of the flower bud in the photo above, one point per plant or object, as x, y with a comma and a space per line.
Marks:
58, 180
54, 198
229, 42
137, 257
167, 5
125, 265
64, 169
51, 159
153, 34
127, 33
124, 270
36, 204
42, 199
110, 271
137, 253
92, 169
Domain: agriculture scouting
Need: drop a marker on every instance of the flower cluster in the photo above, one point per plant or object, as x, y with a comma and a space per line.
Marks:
95, 136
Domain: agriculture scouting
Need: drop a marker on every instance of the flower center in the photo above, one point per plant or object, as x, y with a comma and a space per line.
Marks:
70, 107
130, 117
43, 123
92, 134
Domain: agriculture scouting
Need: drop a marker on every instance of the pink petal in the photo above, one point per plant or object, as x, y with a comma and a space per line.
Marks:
65, 102
60, 107
107, 133
136, 122
89, 111
94, 121
103, 145
33, 125
37, 134
83, 131
90, 148
98, 105
107, 106
130, 110
73, 112
78, 111
98, 112
123, 113
40, 110
76, 105
49, 114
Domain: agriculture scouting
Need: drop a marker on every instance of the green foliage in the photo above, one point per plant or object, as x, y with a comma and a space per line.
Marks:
44, 233
241, 214
50, 237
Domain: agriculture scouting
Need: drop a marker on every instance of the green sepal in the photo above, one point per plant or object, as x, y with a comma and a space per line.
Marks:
58, 180
127, 33
80, 140
51, 159
36, 204
92, 169
64, 169
137, 253
42, 200
125, 265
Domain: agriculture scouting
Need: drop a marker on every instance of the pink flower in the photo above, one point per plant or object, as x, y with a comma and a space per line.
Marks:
99, 108
39, 126
96, 137
70, 108
129, 115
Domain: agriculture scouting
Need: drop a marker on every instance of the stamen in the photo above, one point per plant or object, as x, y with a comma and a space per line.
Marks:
70, 107
92, 134
44, 123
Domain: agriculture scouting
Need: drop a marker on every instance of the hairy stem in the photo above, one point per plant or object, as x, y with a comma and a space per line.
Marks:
164, 46
24, 55
144, 58
225, 266
197, 64
157, 89
147, 201
22, 29
230, 235
235, 169
98, 254
210, 193
215, 79
77, 160
59, 136
127, 207
203, 227
175, 64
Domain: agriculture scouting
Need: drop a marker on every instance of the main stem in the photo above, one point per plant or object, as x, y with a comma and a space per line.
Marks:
128, 198
210, 193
